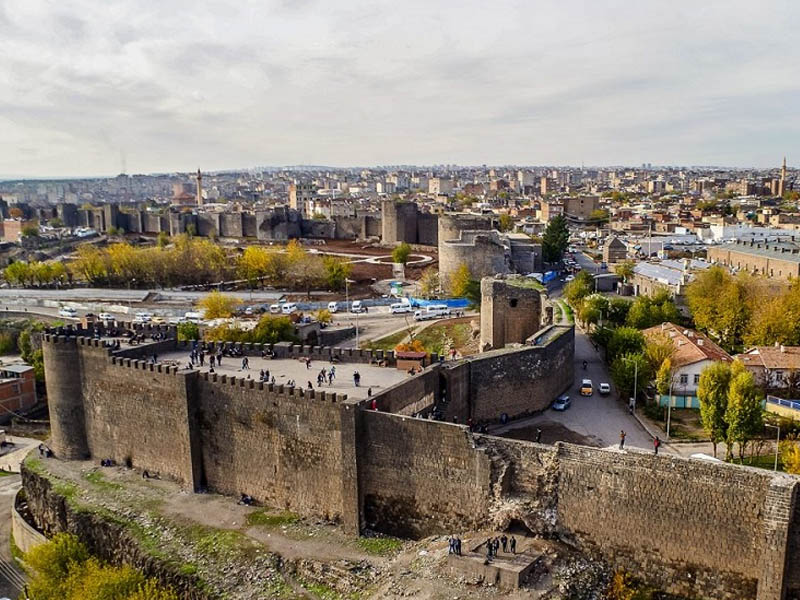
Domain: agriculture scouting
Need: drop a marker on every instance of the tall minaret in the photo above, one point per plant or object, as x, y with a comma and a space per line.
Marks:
782, 182
199, 188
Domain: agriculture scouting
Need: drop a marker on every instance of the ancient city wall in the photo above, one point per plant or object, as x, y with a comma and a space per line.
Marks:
418, 477
138, 414
686, 516
512, 381
283, 446
690, 527
412, 395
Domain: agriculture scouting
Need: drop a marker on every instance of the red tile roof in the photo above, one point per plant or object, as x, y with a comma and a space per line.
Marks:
690, 346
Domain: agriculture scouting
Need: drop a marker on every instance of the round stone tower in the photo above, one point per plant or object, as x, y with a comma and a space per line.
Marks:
62, 372
452, 224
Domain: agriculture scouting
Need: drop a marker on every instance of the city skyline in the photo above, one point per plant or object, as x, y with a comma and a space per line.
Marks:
97, 90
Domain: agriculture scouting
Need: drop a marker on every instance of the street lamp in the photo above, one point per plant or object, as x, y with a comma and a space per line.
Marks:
777, 443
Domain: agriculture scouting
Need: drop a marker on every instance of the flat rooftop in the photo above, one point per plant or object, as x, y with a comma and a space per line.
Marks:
285, 369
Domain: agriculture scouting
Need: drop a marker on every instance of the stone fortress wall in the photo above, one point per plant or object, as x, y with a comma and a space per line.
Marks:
693, 528
510, 312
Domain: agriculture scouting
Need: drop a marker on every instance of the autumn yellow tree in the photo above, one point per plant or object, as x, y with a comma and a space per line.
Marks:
460, 281
217, 305
91, 264
254, 264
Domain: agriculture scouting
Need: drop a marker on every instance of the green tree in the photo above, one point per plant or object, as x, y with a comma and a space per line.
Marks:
629, 368
625, 340
217, 305
647, 311
555, 239
505, 223
401, 253
18, 273
625, 269
577, 289
30, 231
712, 393
722, 305
618, 310
188, 331
744, 415
336, 272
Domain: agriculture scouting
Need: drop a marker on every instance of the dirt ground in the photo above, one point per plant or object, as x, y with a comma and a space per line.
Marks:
254, 553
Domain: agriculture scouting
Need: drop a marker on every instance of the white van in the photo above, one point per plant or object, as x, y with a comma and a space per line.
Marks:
193, 317
434, 311
333, 307
400, 307
289, 308
357, 307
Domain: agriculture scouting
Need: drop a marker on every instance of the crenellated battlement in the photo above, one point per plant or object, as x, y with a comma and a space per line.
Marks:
291, 350
146, 365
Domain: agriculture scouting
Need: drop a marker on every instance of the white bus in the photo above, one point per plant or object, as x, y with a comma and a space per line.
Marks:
434, 311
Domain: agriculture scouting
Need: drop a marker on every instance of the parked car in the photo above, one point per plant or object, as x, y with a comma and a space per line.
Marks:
357, 307
604, 389
288, 308
158, 320
104, 316
66, 311
142, 317
274, 309
333, 307
586, 387
562, 403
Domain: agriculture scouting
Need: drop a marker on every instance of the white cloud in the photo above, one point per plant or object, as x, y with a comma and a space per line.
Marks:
178, 84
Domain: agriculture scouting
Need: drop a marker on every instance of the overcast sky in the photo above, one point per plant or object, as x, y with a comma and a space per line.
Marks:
175, 85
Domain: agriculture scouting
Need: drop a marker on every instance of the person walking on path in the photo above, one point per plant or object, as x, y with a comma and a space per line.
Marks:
513, 545
656, 444
622, 435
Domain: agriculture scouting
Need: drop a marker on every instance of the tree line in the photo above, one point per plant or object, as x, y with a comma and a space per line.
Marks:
186, 261
742, 310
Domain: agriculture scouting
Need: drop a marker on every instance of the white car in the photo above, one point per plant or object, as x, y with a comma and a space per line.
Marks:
604, 389
357, 307
142, 317
104, 316
569, 278
274, 309
400, 307
66, 311
288, 308
333, 307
